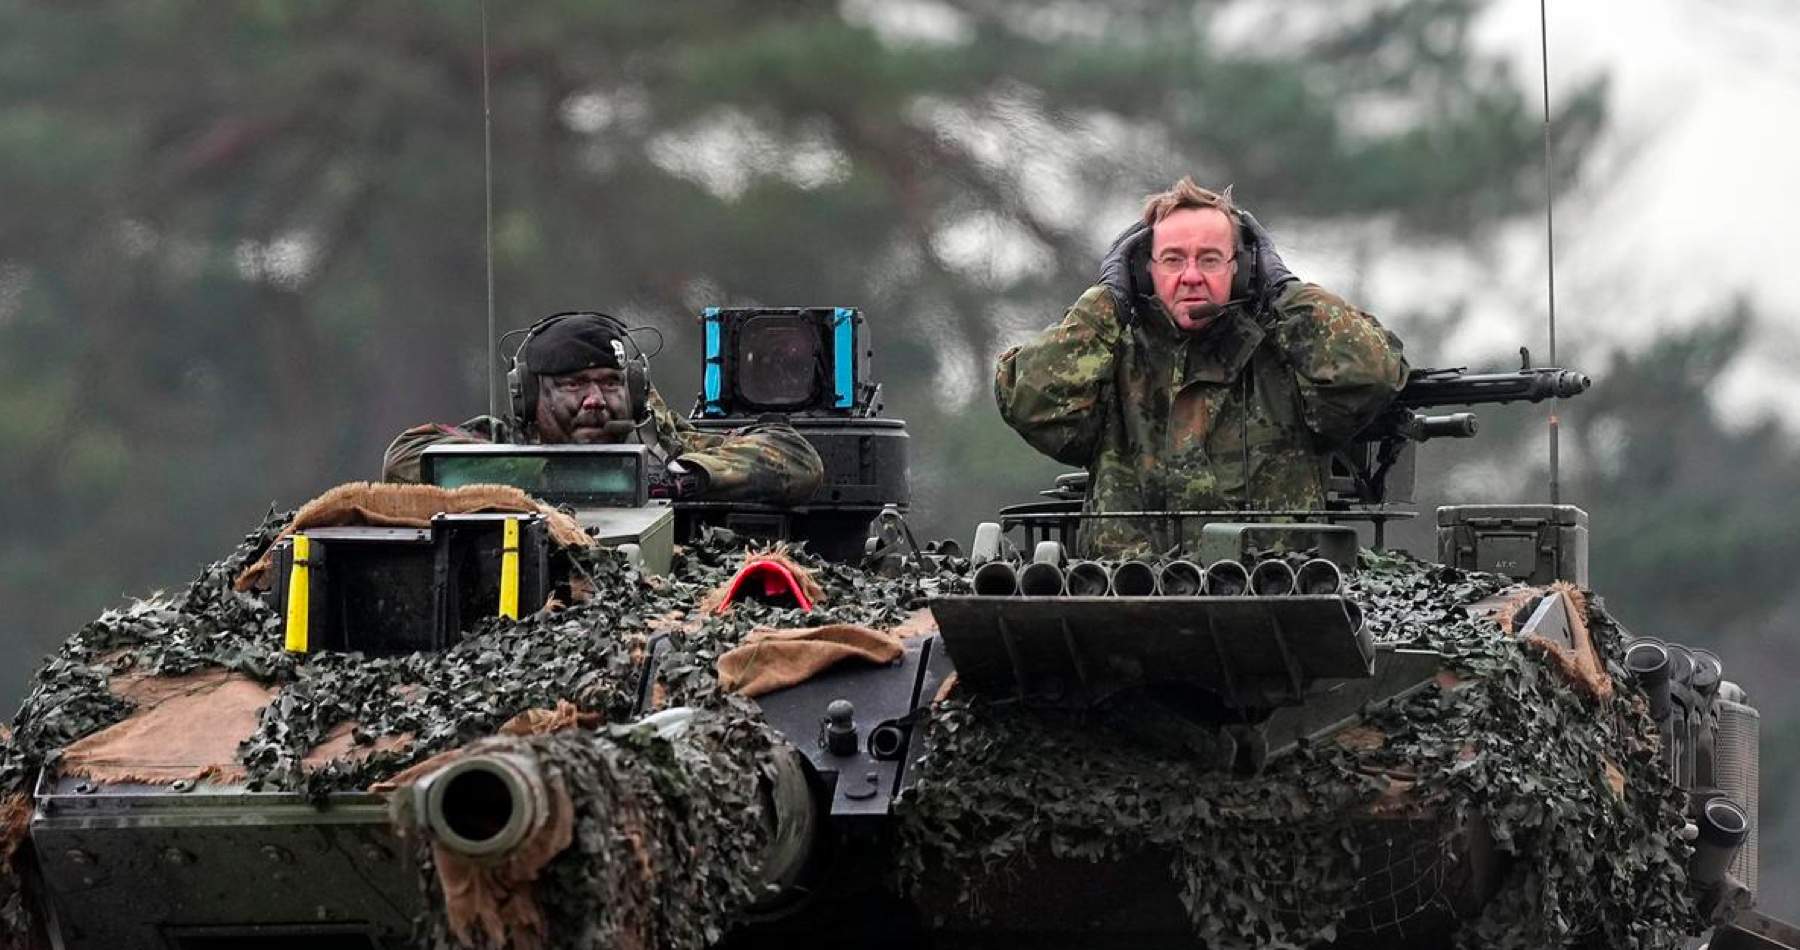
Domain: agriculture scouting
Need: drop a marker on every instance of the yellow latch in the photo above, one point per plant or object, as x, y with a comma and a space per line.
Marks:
509, 570
299, 594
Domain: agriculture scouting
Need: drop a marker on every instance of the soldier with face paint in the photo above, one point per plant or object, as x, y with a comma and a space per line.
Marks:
575, 391
1209, 379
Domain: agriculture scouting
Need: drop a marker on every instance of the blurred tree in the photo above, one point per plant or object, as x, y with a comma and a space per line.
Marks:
242, 242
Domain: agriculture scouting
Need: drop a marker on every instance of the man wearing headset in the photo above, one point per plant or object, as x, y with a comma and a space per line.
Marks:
574, 386
1198, 374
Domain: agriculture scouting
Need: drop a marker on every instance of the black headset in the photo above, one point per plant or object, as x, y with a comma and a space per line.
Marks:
1245, 280
521, 380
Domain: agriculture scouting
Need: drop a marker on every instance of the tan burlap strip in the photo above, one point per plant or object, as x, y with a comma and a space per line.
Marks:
409, 506
770, 659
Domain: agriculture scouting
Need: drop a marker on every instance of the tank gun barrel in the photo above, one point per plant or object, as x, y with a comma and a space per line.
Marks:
483, 806
490, 803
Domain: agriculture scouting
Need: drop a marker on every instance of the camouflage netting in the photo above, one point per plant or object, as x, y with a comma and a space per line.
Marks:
1265, 862
1275, 861
687, 806
590, 654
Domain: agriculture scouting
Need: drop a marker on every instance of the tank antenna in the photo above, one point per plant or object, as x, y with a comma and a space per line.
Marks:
1550, 253
487, 176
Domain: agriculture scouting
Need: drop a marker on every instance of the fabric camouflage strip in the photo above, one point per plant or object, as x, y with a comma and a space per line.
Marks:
767, 462
1243, 415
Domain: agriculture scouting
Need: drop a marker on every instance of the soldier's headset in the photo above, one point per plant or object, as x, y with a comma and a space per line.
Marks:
521, 380
1245, 280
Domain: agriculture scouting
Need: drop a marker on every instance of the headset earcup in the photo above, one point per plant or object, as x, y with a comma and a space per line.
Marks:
637, 384
1139, 269
1244, 278
515, 391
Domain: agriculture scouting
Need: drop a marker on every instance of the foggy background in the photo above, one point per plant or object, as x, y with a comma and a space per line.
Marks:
242, 246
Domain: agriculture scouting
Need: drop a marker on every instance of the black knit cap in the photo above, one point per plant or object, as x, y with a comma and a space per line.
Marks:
572, 344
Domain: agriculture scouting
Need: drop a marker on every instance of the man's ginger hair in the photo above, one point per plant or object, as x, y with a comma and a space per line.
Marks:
1188, 194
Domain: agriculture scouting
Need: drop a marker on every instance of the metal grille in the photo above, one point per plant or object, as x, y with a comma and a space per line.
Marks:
1737, 768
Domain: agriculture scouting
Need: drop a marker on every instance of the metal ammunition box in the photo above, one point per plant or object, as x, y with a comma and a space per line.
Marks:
1536, 544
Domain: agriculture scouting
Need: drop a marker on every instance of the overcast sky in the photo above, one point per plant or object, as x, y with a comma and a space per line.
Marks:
1690, 199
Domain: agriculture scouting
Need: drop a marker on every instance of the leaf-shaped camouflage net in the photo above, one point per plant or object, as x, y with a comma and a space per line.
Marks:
1284, 859
1267, 862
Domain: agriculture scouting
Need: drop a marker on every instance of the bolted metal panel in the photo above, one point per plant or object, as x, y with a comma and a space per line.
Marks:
206, 865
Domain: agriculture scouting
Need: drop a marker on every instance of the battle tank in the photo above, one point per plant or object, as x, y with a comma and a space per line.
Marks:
1273, 737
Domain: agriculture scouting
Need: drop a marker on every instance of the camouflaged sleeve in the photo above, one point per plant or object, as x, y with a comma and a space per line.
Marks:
1055, 390
1347, 365
401, 462
768, 462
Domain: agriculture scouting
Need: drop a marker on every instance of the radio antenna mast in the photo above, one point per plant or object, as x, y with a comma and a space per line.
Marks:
1550, 253
487, 177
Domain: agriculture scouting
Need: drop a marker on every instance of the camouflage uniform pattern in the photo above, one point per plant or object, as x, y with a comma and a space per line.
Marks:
767, 462
1241, 415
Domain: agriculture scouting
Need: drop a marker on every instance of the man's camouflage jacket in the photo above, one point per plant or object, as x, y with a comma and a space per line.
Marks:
1243, 413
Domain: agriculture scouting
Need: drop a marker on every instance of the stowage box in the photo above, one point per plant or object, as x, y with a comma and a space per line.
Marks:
1536, 544
391, 590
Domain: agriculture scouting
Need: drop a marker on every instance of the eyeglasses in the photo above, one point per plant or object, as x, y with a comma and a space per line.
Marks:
1209, 263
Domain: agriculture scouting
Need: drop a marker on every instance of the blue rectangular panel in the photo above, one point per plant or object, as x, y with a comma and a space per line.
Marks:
713, 384
843, 356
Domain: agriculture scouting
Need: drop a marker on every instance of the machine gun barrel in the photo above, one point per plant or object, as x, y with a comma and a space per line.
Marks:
1428, 388
1457, 425
1380, 443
